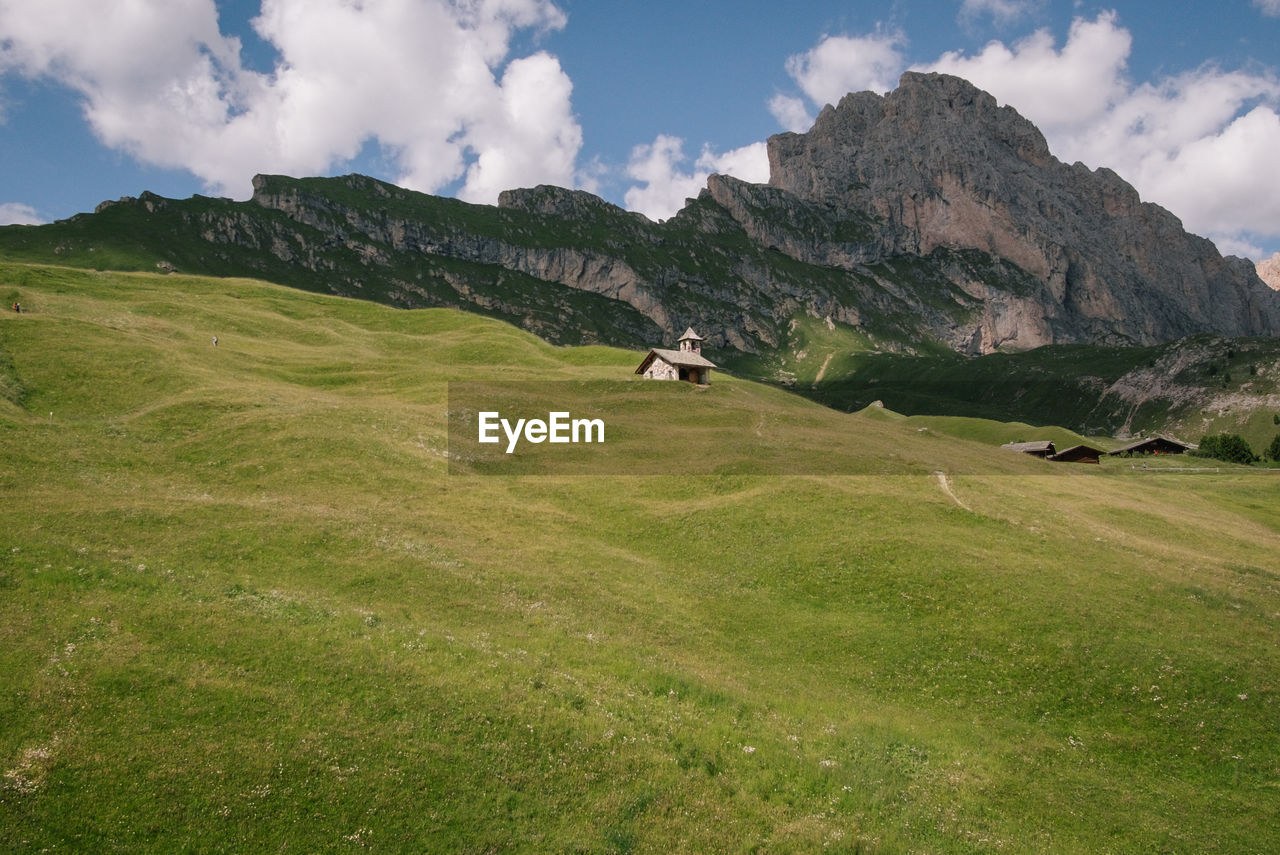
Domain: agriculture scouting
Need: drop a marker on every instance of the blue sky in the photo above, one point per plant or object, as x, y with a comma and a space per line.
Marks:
636, 101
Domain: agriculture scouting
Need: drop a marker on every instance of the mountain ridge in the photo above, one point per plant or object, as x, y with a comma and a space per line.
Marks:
928, 217
969, 174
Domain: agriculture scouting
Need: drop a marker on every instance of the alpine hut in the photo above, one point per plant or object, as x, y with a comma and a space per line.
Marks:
1078, 454
1152, 445
687, 363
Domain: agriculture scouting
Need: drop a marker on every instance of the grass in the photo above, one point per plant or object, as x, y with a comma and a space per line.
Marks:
990, 432
244, 605
1061, 385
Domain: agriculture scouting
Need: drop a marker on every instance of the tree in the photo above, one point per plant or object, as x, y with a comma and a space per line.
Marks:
1228, 447
1273, 450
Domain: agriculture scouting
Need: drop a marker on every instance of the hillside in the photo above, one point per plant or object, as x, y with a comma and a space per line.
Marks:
247, 606
1188, 388
918, 226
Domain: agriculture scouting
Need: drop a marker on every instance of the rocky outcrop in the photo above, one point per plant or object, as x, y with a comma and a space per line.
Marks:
519, 244
939, 164
549, 200
930, 213
1269, 271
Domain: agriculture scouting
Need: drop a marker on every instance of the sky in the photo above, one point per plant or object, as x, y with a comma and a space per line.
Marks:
634, 100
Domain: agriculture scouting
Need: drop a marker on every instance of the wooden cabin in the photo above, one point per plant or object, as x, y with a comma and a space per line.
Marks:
1078, 454
687, 363
1153, 445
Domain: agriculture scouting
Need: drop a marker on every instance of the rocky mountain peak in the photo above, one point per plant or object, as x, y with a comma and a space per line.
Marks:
931, 126
940, 164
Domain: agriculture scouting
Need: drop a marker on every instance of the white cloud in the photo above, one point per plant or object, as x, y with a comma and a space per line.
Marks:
665, 186
1001, 11
17, 213
430, 80
791, 112
1059, 88
533, 137
1200, 143
1269, 7
1238, 245
838, 65
749, 163
1222, 183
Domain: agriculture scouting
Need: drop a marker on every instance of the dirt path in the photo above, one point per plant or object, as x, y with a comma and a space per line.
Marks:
823, 370
945, 484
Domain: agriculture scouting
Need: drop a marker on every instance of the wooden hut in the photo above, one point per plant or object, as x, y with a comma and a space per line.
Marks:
1153, 445
1078, 454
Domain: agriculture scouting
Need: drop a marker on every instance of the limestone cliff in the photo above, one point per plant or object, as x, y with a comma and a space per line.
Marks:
938, 163
928, 214
1269, 271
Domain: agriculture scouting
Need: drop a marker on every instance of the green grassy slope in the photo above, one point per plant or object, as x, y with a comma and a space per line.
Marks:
1188, 388
991, 432
244, 606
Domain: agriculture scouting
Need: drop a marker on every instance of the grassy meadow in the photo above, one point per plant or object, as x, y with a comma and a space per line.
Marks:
245, 605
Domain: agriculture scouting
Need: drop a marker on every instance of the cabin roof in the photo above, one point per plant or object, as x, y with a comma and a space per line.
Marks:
1151, 440
686, 358
1077, 451
1042, 446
